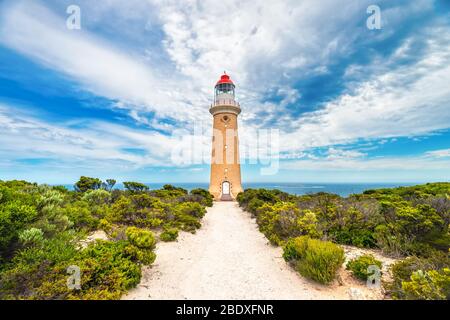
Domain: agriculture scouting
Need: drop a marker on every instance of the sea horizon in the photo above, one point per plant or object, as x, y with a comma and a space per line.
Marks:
343, 189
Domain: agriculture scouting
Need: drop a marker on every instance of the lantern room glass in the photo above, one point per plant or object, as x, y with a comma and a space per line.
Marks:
225, 88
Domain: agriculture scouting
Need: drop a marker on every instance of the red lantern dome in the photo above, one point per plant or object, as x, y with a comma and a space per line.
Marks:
225, 79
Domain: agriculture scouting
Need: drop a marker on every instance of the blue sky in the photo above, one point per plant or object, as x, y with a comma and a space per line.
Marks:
123, 95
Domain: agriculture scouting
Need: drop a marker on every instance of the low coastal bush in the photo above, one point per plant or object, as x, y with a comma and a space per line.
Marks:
193, 209
140, 238
107, 270
43, 231
401, 221
360, 266
314, 259
203, 196
412, 222
428, 285
170, 234
284, 220
412, 277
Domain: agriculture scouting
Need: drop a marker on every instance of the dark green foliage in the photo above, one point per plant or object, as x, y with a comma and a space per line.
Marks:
186, 222
357, 237
283, 220
265, 196
193, 209
41, 229
14, 216
146, 210
401, 221
314, 259
203, 196
187, 216
428, 285
403, 270
169, 187
171, 193
142, 210
109, 184
79, 212
108, 269
135, 186
170, 234
359, 266
87, 183
61, 189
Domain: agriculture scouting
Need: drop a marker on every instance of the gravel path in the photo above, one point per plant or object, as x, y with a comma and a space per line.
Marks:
228, 258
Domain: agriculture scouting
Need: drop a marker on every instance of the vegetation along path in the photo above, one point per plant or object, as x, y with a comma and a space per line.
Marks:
228, 258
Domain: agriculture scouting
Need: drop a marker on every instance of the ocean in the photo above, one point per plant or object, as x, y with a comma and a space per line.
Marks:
342, 189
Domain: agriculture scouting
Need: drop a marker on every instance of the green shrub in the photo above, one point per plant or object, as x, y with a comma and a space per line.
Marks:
193, 209
170, 234
428, 285
14, 216
265, 196
31, 236
170, 187
87, 183
140, 210
143, 255
409, 227
315, 259
80, 214
284, 220
30, 265
254, 205
97, 197
50, 198
295, 248
403, 270
108, 269
401, 221
359, 266
41, 228
207, 198
135, 186
306, 224
362, 238
140, 238
109, 184
187, 223
105, 225
110, 260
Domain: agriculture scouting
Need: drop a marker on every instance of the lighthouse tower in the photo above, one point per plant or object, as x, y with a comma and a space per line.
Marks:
225, 182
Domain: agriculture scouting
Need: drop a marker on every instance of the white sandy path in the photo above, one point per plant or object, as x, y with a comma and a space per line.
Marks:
228, 258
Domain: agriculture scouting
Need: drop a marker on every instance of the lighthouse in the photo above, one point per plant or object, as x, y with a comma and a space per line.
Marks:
225, 181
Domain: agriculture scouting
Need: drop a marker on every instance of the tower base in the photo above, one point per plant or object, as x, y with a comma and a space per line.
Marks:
226, 197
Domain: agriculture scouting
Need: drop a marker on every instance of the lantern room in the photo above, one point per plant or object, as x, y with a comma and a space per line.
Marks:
224, 88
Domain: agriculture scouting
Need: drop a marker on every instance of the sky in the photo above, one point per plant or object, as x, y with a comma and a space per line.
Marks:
127, 95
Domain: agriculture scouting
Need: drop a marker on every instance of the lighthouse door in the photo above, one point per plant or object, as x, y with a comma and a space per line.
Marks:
225, 188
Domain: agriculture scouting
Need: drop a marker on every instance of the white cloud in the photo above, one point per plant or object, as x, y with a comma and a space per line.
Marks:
264, 45
444, 153
408, 164
24, 136
405, 101
337, 154
255, 46
98, 66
